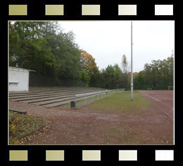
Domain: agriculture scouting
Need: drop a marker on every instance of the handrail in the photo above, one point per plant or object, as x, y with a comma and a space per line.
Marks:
91, 94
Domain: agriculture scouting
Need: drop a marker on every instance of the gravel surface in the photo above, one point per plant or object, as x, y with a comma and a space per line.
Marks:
65, 126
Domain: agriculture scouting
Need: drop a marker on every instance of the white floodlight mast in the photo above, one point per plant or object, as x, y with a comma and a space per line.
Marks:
131, 60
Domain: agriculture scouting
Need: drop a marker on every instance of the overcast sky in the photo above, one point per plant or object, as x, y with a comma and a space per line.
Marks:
107, 41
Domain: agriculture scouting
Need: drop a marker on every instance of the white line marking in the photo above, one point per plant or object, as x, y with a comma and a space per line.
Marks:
153, 98
160, 107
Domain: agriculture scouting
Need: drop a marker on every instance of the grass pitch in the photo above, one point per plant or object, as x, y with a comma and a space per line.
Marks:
120, 102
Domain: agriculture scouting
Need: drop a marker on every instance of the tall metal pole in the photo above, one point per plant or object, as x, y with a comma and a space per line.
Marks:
131, 61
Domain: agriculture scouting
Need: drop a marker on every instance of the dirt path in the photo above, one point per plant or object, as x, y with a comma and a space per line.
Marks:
162, 99
80, 126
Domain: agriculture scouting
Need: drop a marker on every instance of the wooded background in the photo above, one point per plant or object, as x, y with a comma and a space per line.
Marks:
58, 60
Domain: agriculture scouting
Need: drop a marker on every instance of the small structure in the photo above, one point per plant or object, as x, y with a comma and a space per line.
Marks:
73, 104
18, 79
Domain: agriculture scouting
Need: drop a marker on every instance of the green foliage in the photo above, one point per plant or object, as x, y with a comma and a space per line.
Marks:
43, 47
157, 75
112, 77
139, 81
83, 76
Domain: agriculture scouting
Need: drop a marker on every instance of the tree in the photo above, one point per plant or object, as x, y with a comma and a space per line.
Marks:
118, 75
124, 64
30, 49
139, 81
157, 75
83, 77
125, 71
88, 64
42, 46
111, 77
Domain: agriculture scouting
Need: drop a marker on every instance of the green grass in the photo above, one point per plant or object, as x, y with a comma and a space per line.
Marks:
21, 125
120, 102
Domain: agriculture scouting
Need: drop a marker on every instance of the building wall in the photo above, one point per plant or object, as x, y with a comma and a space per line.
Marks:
21, 76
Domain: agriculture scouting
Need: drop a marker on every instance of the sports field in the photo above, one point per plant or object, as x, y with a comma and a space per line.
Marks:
114, 120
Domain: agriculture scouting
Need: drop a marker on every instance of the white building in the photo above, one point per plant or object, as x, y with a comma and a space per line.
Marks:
18, 79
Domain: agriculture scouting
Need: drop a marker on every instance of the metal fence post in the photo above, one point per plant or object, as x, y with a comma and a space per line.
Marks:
75, 101
85, 98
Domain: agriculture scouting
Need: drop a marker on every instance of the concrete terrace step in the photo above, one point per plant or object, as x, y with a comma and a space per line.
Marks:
57, 104
51, 96
64, 102
23, 98
37, 92
46, 99
57, 90
40, 95
53, 101
12, 95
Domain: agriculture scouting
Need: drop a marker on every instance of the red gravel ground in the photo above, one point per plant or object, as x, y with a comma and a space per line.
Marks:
154, 125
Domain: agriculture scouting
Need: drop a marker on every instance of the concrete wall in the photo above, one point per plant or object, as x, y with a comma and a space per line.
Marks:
18, 79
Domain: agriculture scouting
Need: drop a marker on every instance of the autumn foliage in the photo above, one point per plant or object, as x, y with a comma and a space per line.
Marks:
89, 67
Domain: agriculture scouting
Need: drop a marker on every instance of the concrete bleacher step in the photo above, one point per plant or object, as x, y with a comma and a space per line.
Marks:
28, 96
50, 97
34, 93
39, 96
61, 90
14, 95
53, 101
64, 102
46, 99
57, 104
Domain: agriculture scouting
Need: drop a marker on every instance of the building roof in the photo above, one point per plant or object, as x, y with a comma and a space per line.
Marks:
18, 68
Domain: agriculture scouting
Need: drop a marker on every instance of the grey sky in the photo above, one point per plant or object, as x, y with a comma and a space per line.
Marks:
107, 41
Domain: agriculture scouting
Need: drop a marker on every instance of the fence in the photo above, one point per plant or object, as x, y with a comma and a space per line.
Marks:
93, 96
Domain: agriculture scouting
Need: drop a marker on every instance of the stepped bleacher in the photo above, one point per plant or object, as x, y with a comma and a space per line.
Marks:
50, 96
